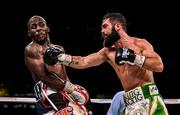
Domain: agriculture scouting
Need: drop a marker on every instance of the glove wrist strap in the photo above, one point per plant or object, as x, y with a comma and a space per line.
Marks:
65, 59
139, 60
69, 87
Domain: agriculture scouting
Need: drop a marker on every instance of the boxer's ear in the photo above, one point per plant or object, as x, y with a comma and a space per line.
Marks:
117, 26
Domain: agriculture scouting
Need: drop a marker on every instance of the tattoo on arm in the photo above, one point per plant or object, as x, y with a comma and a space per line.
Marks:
75, 62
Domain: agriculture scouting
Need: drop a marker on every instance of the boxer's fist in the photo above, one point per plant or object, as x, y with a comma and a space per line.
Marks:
50, 55
55, 54
80, 95
76, 93
124, 55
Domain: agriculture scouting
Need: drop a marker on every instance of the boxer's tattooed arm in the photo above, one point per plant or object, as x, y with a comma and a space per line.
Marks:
81, 62
75, 60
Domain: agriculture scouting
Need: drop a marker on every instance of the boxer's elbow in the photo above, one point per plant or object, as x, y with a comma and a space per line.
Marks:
160, 67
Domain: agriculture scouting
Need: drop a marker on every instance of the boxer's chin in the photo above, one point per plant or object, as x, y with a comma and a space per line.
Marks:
109, 41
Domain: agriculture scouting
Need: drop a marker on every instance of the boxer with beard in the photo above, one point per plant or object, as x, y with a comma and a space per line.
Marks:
134, 61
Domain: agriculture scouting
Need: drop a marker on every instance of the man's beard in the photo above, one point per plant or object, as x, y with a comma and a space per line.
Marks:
112, 38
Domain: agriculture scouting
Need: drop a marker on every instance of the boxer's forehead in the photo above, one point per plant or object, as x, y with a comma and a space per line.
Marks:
36, 19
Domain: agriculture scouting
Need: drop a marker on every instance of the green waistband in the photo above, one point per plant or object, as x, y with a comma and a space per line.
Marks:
146, 90
150, 90
140, 93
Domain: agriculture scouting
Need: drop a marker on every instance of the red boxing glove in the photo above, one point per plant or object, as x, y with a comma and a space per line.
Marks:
79, 94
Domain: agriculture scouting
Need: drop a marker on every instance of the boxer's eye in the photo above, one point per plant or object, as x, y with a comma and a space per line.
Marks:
41, 24
104, 26
33, 26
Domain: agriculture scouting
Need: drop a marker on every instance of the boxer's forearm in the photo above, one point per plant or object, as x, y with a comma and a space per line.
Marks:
94, 59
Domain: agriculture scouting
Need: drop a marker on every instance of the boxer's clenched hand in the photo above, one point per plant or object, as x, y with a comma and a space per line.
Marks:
55, 54
77, 93
50, 55
124, 55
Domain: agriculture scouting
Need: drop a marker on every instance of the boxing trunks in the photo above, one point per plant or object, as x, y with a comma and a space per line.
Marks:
144, 100
52, 102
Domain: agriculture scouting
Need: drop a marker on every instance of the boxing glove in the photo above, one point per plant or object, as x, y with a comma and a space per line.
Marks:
124, 55
50, 55
76, 93
55, 54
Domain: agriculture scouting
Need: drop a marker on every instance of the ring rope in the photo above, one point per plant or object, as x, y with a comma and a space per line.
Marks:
99, 101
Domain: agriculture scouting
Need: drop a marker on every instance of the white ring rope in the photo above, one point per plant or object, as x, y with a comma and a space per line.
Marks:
99, 101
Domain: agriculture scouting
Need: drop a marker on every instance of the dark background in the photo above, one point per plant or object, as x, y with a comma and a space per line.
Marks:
76, 26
